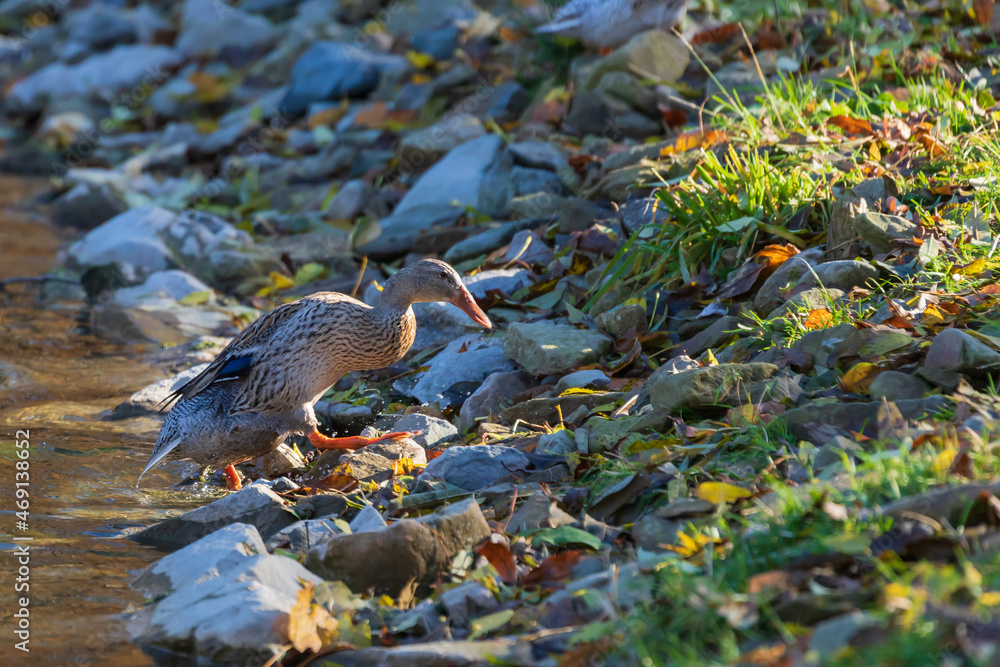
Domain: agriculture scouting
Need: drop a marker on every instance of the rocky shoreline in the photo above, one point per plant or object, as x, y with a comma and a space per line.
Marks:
218, 160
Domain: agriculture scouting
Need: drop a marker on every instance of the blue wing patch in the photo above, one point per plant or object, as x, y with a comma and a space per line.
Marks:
235, 368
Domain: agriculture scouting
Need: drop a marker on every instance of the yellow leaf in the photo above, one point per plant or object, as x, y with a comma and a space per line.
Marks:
420, 60
860, 377
990, 599
196, 298
712, 361
943, 460
973, 268
720, 492
281, 281
310, 627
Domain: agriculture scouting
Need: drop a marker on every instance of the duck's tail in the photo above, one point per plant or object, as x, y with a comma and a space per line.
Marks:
159, 454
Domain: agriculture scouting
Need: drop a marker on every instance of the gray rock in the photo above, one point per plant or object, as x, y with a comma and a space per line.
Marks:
255, 505
100, 27
239, 617
371, 463
435, 654
537, 155
620, 320
457, 178
595, 113
304, 535
148, 400
896, 386
335, 70
475, 468
440, 43
803, 421
738, 79
507, 281
529, 248
655, 53
209, 557
879, 230
832, 635
104, 76
495, 393
953, 352
548, 349
534, 193
212, 30
173, 284
400, 231
208, 246
131, 239
582, 379
367, 520
481, 358
408, 551
809, 300
722, 331
558, 443
467, 601
487, 241
707, 387
542, 410
772, 292
538, 512
434, 430
282, 461
433, 142
839, 274
503, 103
87, 206
350, 201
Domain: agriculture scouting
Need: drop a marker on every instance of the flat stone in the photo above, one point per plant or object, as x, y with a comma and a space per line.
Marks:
803, 420
487, 241
542, 410
477, 467
772, 292
334, 70
433, 430
435, 654
839, 274
433, 142
367, 520
809, 300
173, 284
495, 393
548, 349
149, 399
879, 230
304, 535
239, 617
621, 319
529, 248
507, 281
209, 557
466, 601
457, 178
582, 379
470, 358
709, 387
896, 386
720, 332
131, 239
400, 231
371, 463
255, 505
87, 206
955, 351
408, 551
215, 31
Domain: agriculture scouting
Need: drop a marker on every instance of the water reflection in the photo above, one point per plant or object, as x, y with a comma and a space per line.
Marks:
55, 381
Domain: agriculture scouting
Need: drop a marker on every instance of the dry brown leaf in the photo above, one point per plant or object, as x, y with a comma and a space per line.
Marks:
851, 125
553, 570
497, 552
310, 627
983, 10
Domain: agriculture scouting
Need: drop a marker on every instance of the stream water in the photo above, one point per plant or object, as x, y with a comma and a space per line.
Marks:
56, 380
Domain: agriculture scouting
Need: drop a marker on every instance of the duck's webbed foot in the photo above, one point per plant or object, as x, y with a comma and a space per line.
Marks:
233, 482
321, 441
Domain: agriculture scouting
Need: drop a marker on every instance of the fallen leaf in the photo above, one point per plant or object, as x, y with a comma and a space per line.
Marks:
850, 125
983, 9
310, 626
720, 492
819, 318
553, 570
497, 552
859, 378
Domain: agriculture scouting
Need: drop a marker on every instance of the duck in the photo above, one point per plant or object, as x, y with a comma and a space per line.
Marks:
607, 24
264, 385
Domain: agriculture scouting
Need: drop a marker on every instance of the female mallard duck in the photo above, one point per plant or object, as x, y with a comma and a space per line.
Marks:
264, 385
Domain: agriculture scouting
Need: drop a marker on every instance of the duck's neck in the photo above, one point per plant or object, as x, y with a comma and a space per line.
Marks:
394, 302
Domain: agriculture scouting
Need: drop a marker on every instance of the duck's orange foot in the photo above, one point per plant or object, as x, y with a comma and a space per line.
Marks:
233, 482
321, 441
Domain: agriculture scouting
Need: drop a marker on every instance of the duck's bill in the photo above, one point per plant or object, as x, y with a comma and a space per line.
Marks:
468, 304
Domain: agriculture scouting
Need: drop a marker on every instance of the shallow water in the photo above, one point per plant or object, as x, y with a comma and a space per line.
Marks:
55, 382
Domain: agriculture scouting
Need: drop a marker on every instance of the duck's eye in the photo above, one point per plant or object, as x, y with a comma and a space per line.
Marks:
443, 274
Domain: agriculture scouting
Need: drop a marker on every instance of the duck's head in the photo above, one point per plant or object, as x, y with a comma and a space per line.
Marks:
434, 280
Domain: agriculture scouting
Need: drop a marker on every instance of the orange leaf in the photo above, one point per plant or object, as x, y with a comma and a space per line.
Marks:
716, 35
378, 115
775, 256
500, 557
851, 125
899, 322
983, 10
687, 141
821, 318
